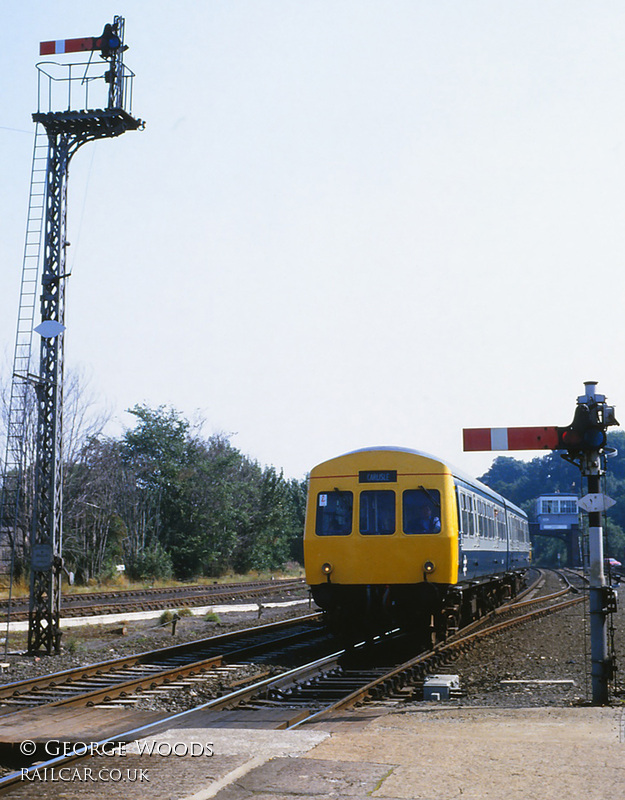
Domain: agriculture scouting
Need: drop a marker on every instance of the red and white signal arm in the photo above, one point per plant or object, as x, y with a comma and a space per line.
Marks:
544, 438
60, 46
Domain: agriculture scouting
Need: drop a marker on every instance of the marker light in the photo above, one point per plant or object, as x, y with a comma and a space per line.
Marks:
429, 567
326, 568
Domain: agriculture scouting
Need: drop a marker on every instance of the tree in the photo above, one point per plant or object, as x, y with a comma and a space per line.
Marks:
270, 544
165, 500
83, 421
213, 510
217, 509
297, 497
93, 528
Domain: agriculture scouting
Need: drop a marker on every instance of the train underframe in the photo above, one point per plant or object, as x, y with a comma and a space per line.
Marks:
432, 611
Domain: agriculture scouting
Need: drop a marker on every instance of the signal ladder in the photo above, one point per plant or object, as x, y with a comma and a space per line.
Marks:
21, 396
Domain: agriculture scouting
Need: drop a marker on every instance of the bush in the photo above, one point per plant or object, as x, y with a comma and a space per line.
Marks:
154, 563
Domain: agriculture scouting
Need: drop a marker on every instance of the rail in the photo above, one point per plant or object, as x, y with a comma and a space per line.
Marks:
295, 688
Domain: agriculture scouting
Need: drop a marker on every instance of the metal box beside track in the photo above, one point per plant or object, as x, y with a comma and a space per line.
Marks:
440, 687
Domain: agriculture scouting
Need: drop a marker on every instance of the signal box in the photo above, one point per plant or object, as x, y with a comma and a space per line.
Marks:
557, 512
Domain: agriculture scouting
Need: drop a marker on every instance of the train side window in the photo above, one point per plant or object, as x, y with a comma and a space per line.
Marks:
421, 511
517, 530
377, 512
467, 515
501, 526
472, 522
334, 513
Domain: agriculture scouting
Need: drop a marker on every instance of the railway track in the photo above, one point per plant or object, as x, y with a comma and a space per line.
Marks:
122, 678
109, 602
370, 669
406, 680
338, 680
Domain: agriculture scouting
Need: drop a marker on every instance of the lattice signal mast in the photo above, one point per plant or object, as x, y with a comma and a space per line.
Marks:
73, 87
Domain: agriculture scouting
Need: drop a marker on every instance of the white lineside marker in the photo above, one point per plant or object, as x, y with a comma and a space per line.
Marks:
49, 328
595, 502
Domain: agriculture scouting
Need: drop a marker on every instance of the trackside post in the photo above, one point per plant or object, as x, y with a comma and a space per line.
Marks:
585, 443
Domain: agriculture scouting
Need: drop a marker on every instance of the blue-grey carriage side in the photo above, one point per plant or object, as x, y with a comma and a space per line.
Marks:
493, 533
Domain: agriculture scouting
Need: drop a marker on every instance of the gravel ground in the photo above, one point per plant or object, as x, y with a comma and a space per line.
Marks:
553, 648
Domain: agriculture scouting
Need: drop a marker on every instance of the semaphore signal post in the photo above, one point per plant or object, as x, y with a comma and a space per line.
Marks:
79, 102
585, 444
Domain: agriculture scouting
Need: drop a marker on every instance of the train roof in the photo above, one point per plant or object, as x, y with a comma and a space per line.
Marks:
457, 473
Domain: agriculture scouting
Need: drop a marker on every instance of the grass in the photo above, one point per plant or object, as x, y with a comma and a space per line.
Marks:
21, 588
168, 615
73, 645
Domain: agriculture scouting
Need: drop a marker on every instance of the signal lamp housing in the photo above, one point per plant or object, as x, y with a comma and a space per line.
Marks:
429, 567
586, 432
326, 568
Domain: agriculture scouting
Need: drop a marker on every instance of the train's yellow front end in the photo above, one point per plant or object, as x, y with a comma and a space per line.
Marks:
381, 534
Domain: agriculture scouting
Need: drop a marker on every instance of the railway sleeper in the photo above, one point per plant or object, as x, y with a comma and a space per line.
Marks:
69, 691
330, 690
406, 693
76, 688
18, 702
339, 684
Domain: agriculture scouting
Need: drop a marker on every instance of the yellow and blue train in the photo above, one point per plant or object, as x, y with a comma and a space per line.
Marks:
398, 537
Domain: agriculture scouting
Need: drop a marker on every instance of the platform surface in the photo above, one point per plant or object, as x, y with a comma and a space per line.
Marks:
423, 752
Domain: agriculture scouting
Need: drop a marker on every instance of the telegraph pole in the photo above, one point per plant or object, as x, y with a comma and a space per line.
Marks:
585, 443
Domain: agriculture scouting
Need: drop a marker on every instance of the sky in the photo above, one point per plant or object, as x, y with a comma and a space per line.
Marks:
347, 223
